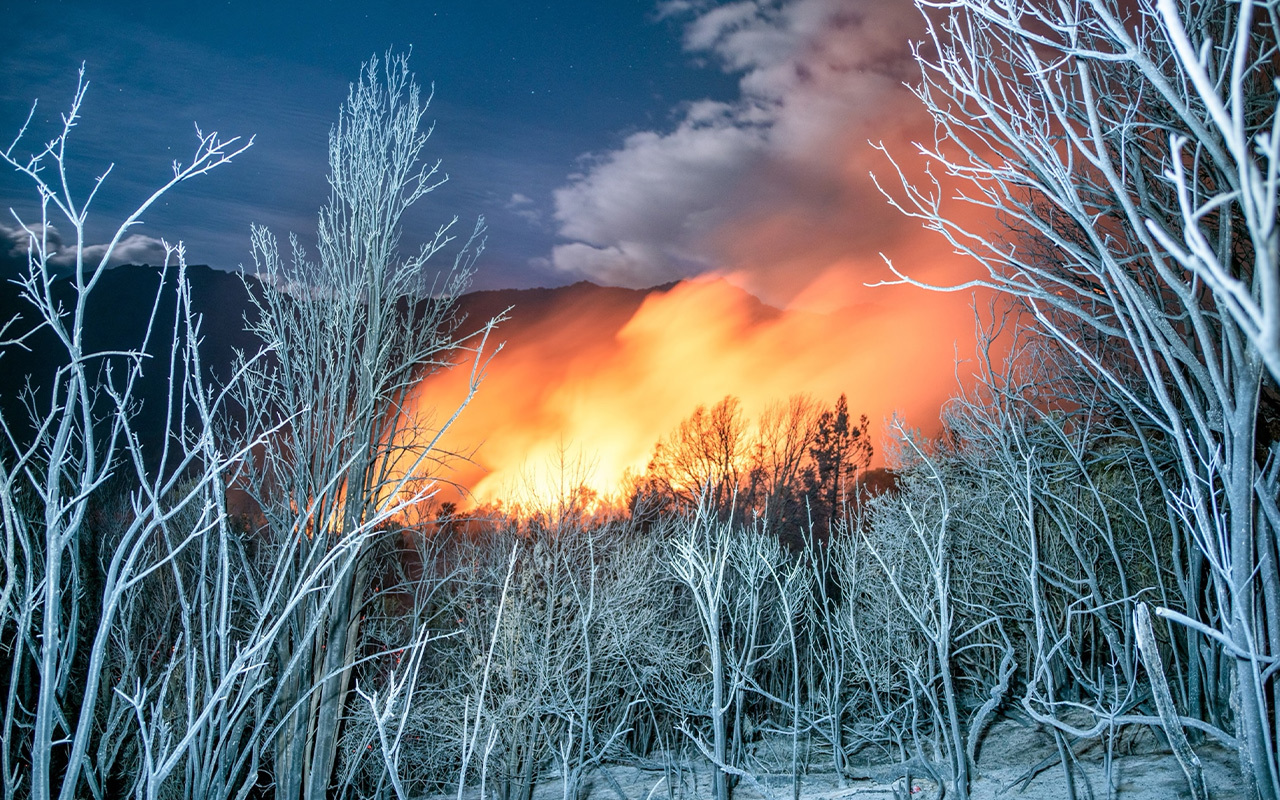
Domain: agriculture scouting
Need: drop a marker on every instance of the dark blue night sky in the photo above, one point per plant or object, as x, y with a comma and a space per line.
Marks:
523, 90
629, 142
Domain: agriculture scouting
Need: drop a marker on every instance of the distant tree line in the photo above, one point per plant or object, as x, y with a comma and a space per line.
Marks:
794, 470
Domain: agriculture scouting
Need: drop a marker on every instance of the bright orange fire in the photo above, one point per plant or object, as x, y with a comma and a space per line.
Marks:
591, 380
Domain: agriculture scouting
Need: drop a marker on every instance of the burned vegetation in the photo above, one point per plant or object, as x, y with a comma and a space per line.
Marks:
276, 596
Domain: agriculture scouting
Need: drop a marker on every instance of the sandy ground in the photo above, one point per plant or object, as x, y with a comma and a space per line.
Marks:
1142, 769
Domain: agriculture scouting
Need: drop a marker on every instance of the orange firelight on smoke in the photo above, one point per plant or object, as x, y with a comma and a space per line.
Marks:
590, 381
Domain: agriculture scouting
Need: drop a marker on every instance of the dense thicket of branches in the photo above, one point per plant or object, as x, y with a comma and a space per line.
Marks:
1122, 457
1002, 572
1130, 155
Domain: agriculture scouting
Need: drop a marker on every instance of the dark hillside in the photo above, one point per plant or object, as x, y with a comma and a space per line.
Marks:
120, 308
117, 317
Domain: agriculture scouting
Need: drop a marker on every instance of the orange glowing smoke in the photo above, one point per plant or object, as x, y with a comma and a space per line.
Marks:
591, 377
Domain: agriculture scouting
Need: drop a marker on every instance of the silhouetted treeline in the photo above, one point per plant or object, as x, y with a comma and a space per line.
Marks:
793, 470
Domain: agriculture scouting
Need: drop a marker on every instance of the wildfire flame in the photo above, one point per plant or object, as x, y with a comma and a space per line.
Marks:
588, 383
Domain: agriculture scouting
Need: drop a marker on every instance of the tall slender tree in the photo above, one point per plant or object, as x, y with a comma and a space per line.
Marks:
351, 334
840, 450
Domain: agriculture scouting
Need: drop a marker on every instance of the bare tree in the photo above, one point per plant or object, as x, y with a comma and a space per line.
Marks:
79, 698
616, 642
1131, 151
350, 335
780, 452
704, 458
831, 669
911, 537
734, 578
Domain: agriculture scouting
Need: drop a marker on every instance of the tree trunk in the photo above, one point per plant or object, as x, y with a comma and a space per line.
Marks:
338, 642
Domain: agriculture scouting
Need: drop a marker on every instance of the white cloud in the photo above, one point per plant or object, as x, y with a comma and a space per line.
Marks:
673, 8
712, 27
634, 265
524, 208
13, 242
660, 185
817, 79
135, 248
